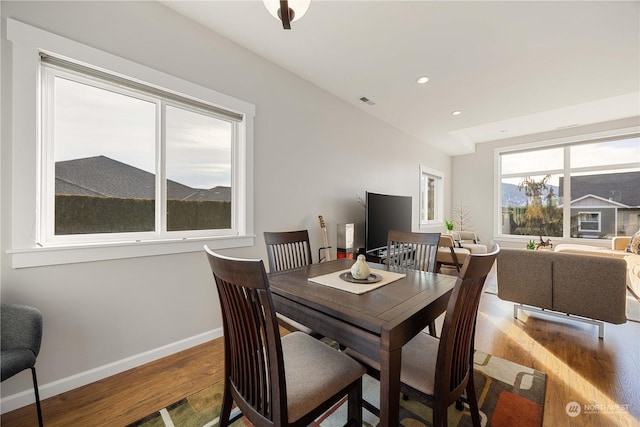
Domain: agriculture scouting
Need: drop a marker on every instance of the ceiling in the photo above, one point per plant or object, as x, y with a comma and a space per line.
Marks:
511, 67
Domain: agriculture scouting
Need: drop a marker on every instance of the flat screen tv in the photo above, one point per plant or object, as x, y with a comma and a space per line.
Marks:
385, 212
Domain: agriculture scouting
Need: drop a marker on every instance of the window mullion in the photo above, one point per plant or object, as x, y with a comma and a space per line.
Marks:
533, 173
566, 203
605, 168
161, 169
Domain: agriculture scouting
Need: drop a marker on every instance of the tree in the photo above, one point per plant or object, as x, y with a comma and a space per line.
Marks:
542, 217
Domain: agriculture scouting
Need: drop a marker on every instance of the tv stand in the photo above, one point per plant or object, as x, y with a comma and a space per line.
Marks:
378, 256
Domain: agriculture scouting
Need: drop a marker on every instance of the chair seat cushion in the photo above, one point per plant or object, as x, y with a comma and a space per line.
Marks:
15, 360
444, 255
418, 362
314, 372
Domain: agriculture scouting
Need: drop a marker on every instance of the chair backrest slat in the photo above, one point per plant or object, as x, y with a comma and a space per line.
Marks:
287, 249
416, 251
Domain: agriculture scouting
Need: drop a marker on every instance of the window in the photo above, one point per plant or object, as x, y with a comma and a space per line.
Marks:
112, 159
588, 221
586, 189
121, 160
431, 196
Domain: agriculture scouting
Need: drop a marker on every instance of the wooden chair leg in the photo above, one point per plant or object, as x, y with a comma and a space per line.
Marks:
354, 405
432, 329
225, 411
473, 402
440, 416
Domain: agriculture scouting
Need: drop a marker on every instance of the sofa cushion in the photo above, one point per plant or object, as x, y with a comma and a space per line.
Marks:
525, 277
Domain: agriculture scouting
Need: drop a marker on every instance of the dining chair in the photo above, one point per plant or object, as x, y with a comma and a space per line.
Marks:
439, 372
287, 249
416, 251
21, 336
274, 380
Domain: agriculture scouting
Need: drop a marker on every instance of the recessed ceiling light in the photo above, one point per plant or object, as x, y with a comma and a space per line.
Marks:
367, 101
422, 80
456, 113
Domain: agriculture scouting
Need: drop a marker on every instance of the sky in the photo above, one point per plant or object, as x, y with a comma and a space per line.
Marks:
588, 155
95, 122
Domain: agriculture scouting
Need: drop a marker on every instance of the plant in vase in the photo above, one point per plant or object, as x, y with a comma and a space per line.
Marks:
531, 244
448, 225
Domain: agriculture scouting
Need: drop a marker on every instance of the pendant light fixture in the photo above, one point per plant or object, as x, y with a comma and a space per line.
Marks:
287, 11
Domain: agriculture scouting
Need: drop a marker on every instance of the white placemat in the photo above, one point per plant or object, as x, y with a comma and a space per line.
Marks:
333, 280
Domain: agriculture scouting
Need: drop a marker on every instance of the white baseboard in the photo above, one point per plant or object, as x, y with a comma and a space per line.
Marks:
63, 385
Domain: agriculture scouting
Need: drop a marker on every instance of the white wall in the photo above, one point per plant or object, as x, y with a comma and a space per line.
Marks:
473, 175
313, 154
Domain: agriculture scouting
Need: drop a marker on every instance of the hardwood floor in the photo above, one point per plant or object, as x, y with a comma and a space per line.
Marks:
604, 374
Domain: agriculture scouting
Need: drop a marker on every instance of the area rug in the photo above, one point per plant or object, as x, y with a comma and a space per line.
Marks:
508, 395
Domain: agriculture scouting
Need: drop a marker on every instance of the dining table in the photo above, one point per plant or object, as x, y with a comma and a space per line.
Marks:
375, 320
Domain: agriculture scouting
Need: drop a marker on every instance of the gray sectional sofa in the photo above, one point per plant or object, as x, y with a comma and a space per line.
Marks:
591, 288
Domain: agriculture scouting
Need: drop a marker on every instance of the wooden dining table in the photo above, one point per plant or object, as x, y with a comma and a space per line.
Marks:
376, 323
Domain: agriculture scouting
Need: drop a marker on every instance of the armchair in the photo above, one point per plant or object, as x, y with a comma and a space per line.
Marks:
469, 240
449, 253
21, 338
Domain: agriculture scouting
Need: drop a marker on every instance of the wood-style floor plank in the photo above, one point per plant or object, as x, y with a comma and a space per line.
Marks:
131, 395
579, 367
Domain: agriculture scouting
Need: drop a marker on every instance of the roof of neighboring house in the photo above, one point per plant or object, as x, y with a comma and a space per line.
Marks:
595, 202
103, 176
623, 188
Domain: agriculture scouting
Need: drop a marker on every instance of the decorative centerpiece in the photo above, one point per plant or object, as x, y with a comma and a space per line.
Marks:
360, 269
360, 273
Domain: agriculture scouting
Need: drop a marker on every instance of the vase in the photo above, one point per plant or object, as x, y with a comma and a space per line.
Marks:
360, 270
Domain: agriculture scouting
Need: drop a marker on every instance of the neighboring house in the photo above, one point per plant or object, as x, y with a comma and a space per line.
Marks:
599, 212
103, 176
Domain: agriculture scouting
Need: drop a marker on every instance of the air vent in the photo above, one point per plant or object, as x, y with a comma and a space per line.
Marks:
367, 101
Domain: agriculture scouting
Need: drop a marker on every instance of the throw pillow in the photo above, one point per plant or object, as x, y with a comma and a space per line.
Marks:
634, 244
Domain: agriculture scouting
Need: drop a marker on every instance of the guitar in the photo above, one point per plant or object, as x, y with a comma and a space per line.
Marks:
325, 241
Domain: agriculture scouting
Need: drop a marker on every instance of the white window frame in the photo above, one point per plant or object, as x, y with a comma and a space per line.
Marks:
581, 221
46, 230
631, 132
438, 177
27, 44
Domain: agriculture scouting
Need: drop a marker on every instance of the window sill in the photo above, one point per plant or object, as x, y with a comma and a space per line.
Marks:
39, 256
435, 225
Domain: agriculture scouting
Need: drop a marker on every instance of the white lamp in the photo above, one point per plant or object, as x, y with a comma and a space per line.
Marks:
294, 9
